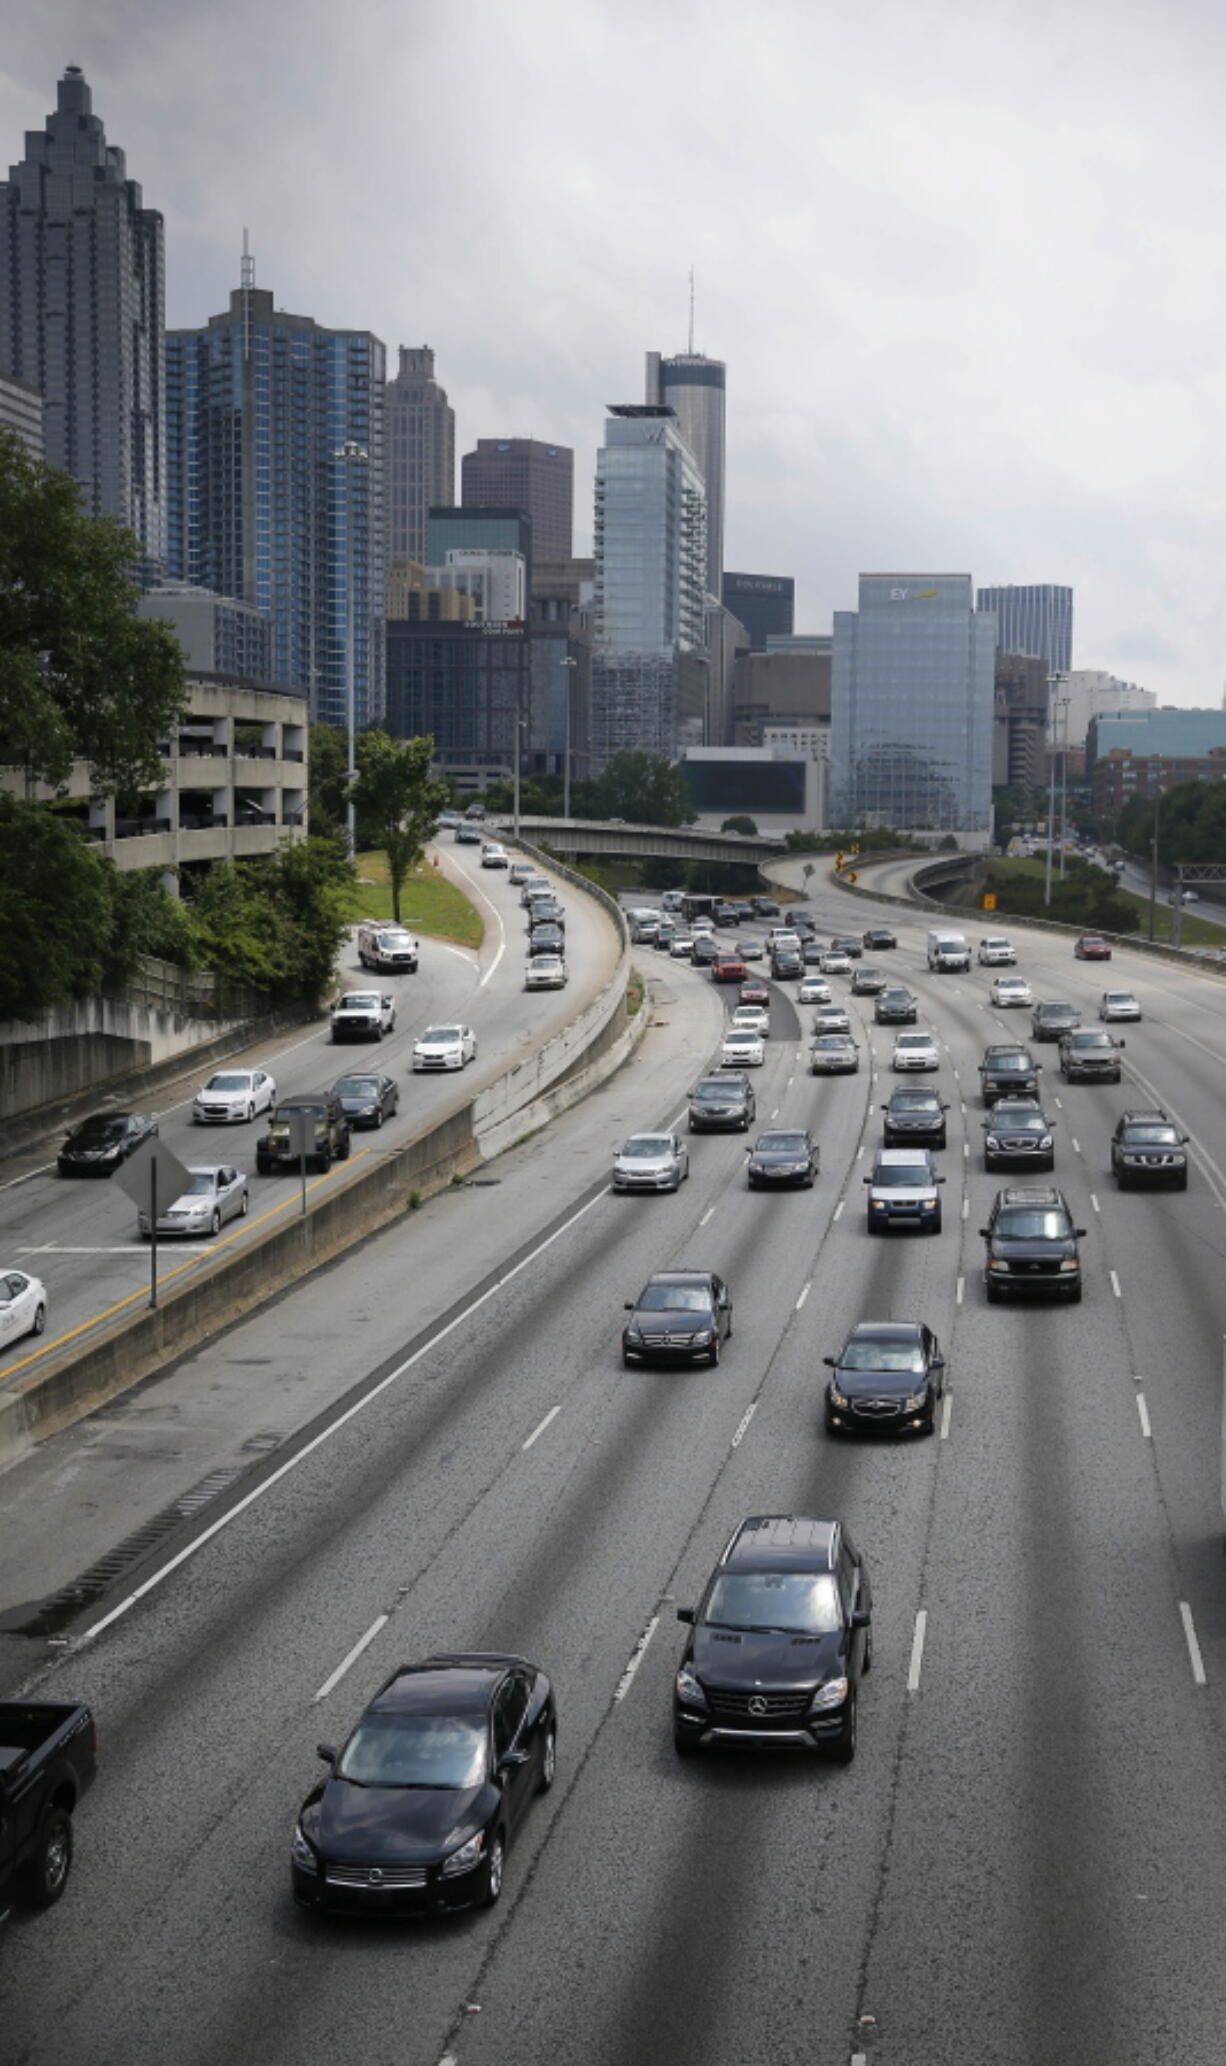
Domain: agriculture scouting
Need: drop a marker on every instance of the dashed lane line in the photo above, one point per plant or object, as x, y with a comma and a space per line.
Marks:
1199, 1674
1143, 1415
636, 1658
917, 1650
363, 1643
541, 1426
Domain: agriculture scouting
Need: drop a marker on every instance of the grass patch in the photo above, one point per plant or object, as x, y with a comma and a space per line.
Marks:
1196, 932
429, 903
634, 993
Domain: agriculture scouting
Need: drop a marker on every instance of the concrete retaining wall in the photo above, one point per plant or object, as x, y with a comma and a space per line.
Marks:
87, 1043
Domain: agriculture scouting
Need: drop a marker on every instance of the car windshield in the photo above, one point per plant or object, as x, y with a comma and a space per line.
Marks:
358, 1087
1057, 1011
1033, 1224
912, 1040
359, 1000
228, 1083
913, 1101
882, 1355
104, 1127
285, 1112
717, 1091
202, 1185
1163, 1136
783, 1144
792, 1602
675, 1298
833, 1043
1018, 1122
441, 1033
1091, 1040
1119, 997
648, 1147
907, 1176
415, 1750
1005, 1065
741, 1036
896, 997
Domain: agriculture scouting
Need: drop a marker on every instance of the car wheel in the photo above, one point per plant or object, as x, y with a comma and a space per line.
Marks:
744, 1126
48, 1870
325, 1161
250, 1112
993, 1291
40, 1319
549, 1760
215, 1221
1121, 1179
715, 1352
843, 1748
1181, 1183
262, 1168
492, 1883
343, 1156
752, 1183
942, 1142
936, 1224
379, 1115
685, 1745
810, 1180
1075, 1296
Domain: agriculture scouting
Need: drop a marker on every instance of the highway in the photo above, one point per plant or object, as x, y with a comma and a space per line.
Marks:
1026, 1864
79, 1234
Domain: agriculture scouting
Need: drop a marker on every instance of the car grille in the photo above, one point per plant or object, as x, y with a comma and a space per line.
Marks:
671, 1341
214, 1111
1033, 1267
376, 1876
765, 1707
1132, 1160
875, 1409
1021, 1144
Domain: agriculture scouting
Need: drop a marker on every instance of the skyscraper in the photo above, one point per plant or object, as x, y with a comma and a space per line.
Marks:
1036, 621
693, 387
764, 603
82, 313
420, 452
649, 611
275, 464
524, 473
911, 706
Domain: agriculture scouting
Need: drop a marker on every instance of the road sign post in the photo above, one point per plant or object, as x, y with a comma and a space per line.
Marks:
153, 1173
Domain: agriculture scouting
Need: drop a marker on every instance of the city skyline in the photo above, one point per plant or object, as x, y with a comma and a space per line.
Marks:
899, 398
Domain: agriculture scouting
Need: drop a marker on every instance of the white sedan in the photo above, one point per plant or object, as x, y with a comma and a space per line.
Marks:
681, 946
233, 1094
445, 1047
831, 1018
835, 962
23, 1306
212, 1197
545, 972
1119, 1004
751, 1018
1007, 990
742, 1049
813, 990
494, 856
915, 1051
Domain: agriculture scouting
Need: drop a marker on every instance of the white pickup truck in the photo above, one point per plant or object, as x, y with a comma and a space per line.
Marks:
363, 1015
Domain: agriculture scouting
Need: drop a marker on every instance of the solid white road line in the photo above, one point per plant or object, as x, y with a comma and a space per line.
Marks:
640, 1651
1143, 1411
138, 1254
362, 1643
946, 1410
961, 1287
775, 1113
709, 1214
541, 1426
917, 1650
804, 1293
1059, 1104
1189, 1630
1115, 1284
746, 1417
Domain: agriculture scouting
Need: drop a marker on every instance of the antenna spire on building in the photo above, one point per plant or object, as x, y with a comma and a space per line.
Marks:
691, 311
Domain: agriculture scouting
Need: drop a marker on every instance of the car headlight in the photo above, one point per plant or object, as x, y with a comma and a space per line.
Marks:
468, 1855
368, 1111
838, 1398
701, 1339
878, 1205
633, 1333
996, 1264
914, 1403
1070, 1263
1046, 1141
832, 1694
301, 1852
689, 1689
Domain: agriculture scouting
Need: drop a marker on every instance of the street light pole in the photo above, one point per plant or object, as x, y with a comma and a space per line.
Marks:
1153, 864
1063, 702
570, 665
1052, 682
349, 454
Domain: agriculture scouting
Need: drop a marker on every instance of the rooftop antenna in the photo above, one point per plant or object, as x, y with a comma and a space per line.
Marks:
248, 283
691, 311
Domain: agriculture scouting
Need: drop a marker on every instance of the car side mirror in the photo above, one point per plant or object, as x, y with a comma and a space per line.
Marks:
938, 1363
861, 1618
829, 1362
512, 1761
686, 1614
944, 1105
940, 1180
629, 1305
1121, 1043
327, 1751
866, 1180
1080, 1233
985, 1234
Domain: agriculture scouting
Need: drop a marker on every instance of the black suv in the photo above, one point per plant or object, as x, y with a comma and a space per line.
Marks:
914, 1115
867, 982
779, 1642
680, 1316
722, 1104
765, 907
1008, 1072
895, 1006
1148, 1148
328, 1141
1090, 1055
1018, 1135
848, 944
1032, 1247
1053, 1021
787, 965
878, 939
887, 1376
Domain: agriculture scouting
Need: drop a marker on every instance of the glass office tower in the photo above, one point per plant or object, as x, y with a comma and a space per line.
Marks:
911, 710
1037, 621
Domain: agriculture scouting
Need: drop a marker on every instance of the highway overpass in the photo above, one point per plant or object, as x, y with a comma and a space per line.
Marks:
606, 836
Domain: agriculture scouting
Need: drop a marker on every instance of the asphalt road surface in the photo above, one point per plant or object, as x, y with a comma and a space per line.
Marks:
1027, 1862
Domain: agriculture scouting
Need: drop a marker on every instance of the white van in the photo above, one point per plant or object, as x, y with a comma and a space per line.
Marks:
948, 951
385, 946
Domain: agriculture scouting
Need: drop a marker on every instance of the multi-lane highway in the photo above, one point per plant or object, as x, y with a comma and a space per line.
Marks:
1026, 1864
79, 1235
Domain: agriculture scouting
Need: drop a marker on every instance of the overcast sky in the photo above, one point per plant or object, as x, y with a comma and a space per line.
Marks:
963, 257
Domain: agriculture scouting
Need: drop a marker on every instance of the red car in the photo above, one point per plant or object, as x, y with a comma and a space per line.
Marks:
1091, 947
728, 968
754, 993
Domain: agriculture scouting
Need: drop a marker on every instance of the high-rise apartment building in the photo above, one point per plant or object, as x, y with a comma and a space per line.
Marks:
764, 603
276, 491
693, 387
649, 608
1091, 692
82, 313
911, 706
420, 452
524, 473
1035, 621
21, 411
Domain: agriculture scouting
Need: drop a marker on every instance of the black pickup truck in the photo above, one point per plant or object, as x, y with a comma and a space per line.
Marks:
47, 1758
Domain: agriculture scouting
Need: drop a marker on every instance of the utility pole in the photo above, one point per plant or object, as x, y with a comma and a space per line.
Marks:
1063, 704
570, 664
1052, 681
1153, 864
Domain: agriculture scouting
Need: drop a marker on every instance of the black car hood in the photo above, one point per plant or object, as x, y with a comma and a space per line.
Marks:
1033, 1251
776, 1159
385, 1823
880, 1384
920, 1122
747, 1658
650, 1324
723, 1108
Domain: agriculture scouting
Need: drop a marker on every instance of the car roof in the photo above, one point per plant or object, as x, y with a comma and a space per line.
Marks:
680, 1277
781, 1542
1154, 1116
902, 1158
460, 1684
886, 1330
1031, 1194
914, 1090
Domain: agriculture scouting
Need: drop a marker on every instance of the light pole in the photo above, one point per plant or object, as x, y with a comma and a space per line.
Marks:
1153, 864
1052, 682
1063, 704
350, 454
570, 664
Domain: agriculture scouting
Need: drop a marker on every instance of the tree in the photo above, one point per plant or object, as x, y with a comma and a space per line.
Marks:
54, 911
81, 675
274, 925
328, 773
742, 824
644, 789
394, 787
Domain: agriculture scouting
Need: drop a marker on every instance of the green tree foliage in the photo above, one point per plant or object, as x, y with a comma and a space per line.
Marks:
1011, 806
274, 925
81, 676
327, 776
742, 824
54, 911
1087, 897
1191, 824
396, 791
644, 789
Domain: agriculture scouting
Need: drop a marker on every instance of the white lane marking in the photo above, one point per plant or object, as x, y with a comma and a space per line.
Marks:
775, 1113
1059, 1104
966, 1149
257, 1492
13, 1181
804, 1293
1094, 1201
917, 1650
860, 1152
1189, 1630
541, 1426
964, 1108
838, 1211
362, 1643
961, 1287
1075, 1145
639, 1652
966, 1206
1143, 1412
746, 1417
1115, 1284
709, 1214
461, 953
946, 1409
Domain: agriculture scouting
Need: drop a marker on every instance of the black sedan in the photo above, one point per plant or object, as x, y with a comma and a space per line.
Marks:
888, 1376
879, 939
546, 939
915, 1116
783, 1158
367, 1100
420, 1804
722, 1104
680, 1316
100, 1143
1053, 1021
895, 1006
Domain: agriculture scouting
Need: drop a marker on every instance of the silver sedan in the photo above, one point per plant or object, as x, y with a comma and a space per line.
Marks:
213, 1196
651, 1162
